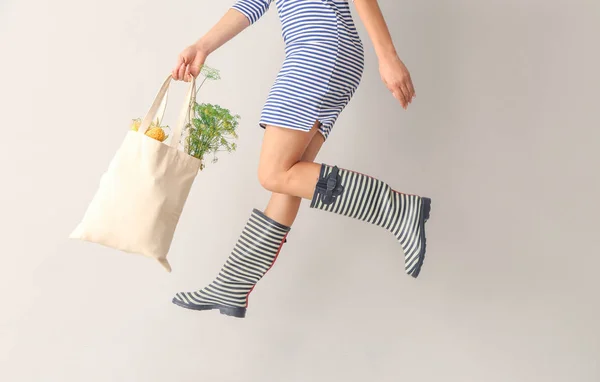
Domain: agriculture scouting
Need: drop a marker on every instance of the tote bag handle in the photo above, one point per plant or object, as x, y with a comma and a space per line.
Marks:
160, 104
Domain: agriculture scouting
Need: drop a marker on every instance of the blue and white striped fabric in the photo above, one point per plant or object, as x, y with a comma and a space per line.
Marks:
323, 64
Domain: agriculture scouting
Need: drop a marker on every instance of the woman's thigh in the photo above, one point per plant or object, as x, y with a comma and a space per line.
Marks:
282, 148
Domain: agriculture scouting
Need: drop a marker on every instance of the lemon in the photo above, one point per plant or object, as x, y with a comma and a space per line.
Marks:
135, 124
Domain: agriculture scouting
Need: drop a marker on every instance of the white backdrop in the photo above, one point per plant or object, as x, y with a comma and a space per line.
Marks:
503, 136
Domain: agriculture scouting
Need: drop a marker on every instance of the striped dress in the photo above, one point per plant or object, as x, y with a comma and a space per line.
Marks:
324, 61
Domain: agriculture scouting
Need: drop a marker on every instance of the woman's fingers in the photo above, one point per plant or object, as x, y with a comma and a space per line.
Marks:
411, 88
186, 76
406, 92
397, 79
175, 72
197, 65
189, 75
399, 96
181, 72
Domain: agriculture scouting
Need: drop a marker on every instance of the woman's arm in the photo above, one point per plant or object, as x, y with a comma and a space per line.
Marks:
393, 71
239, 17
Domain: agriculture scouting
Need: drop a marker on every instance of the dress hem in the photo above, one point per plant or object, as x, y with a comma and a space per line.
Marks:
264, 123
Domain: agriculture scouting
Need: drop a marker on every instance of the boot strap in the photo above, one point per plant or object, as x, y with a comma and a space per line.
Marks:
330, 186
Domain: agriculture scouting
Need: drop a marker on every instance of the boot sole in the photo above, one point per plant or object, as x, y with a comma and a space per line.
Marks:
425, 212
223, 309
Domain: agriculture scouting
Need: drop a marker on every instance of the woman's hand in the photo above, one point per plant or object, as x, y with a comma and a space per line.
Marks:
189, 63
192, 58
397, 79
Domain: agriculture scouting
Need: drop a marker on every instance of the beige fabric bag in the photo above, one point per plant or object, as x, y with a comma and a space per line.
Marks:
140, 198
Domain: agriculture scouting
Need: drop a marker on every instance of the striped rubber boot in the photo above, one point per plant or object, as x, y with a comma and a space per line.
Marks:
253, 255
365, 198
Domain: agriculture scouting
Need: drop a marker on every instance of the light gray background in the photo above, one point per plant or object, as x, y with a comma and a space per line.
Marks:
504, 136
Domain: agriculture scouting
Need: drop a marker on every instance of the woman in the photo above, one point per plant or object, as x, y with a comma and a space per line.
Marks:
322, 69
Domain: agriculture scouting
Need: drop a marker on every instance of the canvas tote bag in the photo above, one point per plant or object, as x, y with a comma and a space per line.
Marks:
140, 197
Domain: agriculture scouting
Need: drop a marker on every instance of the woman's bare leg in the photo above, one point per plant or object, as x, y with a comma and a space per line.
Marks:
284, 208
282, 168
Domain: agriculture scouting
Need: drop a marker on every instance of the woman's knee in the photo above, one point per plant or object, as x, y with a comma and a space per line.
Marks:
282, 149
271, 178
